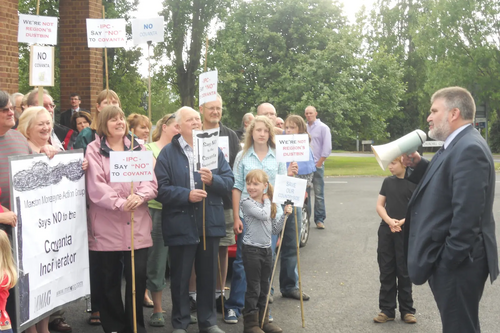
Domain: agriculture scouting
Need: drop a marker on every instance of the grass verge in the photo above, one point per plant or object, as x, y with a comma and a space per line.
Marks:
359, 166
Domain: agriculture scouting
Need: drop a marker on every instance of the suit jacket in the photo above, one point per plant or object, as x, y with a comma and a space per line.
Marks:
450, 212
65, 118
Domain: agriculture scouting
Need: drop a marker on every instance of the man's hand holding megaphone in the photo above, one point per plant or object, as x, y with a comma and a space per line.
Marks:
411, 160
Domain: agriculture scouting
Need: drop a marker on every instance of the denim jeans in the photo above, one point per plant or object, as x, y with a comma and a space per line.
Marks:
236, 300
319, 195
289, 278
258, 267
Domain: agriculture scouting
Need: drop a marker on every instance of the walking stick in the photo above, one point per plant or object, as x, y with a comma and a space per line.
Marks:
275, 264
298, 269
132, 257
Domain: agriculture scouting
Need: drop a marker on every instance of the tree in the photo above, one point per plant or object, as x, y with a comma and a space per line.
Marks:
297, 53
188, 22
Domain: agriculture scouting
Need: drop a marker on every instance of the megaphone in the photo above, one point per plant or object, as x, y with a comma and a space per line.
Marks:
409, 143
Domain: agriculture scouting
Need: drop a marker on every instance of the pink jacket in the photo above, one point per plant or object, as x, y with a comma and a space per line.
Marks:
108, 224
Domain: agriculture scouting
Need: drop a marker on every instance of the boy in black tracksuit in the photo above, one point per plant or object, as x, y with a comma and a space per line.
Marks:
391, 207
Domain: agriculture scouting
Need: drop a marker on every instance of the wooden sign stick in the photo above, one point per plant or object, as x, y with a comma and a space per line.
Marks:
204, 231
298, 270
40, 88
132, 255
105, 54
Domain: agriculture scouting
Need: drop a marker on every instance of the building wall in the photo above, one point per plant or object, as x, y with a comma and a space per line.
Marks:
81, 68
9, 53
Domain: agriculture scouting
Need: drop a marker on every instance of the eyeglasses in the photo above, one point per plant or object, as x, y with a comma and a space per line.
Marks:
52, 106
214, 108
8, 109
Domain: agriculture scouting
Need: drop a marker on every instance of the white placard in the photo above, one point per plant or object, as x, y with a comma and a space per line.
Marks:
292, 148
37, 29
50, 240
130, 166
42, 66
208, 87
206, 149
289, 188
224, 146
148, 29
106, 33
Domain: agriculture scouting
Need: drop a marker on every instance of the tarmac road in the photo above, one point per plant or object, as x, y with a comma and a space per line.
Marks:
340, 272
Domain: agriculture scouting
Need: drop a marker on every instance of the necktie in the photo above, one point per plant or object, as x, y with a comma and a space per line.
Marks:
438, 154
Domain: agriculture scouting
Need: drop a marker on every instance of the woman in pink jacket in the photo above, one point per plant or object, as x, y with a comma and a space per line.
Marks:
110, 207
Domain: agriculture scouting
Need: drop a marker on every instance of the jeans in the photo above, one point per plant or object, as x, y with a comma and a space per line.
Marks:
319, 195
236, 300
289, 277
258, 267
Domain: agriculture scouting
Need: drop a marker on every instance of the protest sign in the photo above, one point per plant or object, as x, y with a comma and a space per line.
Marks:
206, 149
289, 188
208, 87
148, 29
131, 166
42, 66
34, 29
292, 148
50, 240
106, 33
224, 146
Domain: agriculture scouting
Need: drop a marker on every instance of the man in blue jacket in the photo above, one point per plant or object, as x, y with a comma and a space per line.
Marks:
180, 191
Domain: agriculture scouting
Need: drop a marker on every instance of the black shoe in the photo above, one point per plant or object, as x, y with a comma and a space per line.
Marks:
218, 303
192, 304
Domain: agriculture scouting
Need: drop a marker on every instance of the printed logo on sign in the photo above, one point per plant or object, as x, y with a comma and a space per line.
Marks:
42, 300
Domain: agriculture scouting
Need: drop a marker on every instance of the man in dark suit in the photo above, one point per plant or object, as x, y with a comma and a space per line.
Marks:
65, 119
450, 230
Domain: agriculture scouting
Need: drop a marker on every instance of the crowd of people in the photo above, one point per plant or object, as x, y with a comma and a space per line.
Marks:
170, 218
437, 220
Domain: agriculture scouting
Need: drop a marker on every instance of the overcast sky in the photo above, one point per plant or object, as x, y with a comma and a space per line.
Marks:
151, 8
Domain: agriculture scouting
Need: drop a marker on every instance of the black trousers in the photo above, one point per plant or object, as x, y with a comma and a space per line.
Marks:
114, 316
258, 268
457, 292
392, 265
181, 260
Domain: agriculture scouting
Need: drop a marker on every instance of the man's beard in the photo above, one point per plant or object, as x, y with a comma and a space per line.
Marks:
440, 131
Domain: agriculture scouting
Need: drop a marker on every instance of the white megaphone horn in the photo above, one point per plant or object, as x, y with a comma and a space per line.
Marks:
409, 143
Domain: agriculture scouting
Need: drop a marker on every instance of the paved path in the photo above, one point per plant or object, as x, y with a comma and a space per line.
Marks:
340, 272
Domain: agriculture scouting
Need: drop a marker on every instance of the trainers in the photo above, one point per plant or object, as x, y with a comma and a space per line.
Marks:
295, 294
382, 318
409, 318
192, 304
218, 303
320, 225
271, 299
230, 317
271, 319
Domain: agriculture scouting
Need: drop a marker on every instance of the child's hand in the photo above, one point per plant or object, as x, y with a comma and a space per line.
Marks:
288, 209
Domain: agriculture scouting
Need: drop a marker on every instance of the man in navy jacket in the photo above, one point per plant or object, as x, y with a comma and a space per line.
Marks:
180, 191
450, 229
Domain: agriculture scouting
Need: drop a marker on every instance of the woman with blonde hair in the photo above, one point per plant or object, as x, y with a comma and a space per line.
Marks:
258, 153
141, 125
8, 277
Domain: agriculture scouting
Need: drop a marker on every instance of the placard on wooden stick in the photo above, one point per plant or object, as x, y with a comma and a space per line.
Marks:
208, 87
289, 188
130, 166
292, 148
42, 66
206, 149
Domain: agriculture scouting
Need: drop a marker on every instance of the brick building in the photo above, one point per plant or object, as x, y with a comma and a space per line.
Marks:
80, 67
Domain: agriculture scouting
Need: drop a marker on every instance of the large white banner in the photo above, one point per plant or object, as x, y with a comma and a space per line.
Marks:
50, 240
